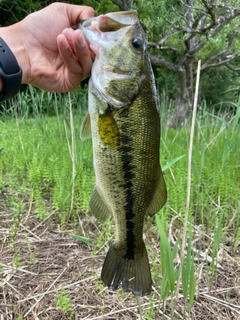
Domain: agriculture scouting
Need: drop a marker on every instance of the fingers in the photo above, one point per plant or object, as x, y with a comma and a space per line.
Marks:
75, 53
84, 55
80, 47
68, 34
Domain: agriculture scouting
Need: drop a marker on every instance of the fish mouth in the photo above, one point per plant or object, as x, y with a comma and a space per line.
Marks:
106, 28
110, 22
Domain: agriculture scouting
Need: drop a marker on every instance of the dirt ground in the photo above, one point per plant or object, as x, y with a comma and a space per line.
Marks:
42, 263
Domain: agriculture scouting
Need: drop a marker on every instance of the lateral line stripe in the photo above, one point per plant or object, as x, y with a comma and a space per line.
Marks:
126, 154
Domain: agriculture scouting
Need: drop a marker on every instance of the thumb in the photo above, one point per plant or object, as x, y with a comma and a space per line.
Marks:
77, 13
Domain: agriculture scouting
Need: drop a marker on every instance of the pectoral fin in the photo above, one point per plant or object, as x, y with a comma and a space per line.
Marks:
98, 206
159, 197
85, 130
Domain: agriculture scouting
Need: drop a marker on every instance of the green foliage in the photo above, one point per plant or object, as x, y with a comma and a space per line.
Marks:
33, 102
219, 85
188, 281
42, 168
167, 256
171, 274
35, 160
104, 234
17, 259
99, 6
63, 301
99, 286
216, 241
160, 17
157, 16
11, 13
82, 239
215, 166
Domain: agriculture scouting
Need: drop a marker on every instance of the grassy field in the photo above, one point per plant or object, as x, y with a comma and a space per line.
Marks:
52, 249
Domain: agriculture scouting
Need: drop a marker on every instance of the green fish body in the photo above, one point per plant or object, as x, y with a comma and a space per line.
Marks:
124, 123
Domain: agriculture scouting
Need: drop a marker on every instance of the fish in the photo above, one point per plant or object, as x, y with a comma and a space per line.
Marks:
124, 123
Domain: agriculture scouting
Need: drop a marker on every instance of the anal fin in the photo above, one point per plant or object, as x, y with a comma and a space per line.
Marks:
98, 206
159, 197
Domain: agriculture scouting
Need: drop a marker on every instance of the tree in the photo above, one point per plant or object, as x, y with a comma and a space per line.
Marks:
180, 32
124, 5
12, 11
189, 30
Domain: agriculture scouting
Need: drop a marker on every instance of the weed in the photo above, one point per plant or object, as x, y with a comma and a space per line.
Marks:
99, 286
167, 255
64, 302
105, 233
188, 281
82, 239
17, 259
150, 313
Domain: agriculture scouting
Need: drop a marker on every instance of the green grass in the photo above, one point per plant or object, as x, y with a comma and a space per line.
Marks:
35, 159
45, 167
215, 169
36, 164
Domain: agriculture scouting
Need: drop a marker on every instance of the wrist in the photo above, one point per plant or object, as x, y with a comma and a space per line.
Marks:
12, 36
1, 84
10, 72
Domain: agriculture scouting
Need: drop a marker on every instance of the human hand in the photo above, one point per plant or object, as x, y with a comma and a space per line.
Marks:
52, 56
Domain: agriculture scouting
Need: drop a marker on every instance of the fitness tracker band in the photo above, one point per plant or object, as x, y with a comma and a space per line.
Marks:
10, 72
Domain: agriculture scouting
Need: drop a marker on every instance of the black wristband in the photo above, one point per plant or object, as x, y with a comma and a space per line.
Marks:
10, 72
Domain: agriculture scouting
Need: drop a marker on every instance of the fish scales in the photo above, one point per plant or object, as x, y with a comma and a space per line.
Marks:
125, 128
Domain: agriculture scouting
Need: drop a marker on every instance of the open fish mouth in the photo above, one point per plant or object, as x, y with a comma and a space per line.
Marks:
105, 27
110, 22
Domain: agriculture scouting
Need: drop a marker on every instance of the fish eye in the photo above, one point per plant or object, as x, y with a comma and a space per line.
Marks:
137, 43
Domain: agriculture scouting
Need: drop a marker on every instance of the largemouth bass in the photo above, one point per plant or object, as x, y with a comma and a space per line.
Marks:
124, 122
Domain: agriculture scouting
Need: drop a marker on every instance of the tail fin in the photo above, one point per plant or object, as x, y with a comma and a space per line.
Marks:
134, 274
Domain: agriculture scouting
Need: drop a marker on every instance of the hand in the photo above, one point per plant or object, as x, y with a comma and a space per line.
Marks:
52, 55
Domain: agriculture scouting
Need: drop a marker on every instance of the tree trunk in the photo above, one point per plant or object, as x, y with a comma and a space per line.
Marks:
124, 5
184, 94
183, 103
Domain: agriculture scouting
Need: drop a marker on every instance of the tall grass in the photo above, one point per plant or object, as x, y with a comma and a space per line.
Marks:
215, 167
37, 157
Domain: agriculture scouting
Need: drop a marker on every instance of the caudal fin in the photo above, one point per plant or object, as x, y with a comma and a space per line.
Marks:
134, 274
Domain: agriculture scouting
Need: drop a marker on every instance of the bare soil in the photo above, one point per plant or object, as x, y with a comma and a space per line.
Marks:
43, 260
